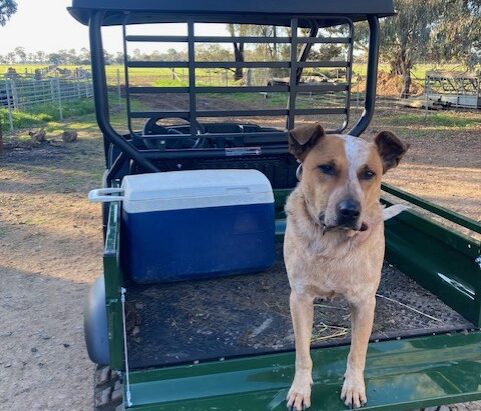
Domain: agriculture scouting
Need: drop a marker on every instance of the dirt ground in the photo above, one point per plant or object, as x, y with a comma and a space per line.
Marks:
442, 165
50, 250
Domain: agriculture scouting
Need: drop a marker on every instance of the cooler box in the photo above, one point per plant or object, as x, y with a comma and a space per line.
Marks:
185, 225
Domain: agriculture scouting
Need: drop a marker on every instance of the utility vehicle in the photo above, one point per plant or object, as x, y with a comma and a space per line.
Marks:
225, 342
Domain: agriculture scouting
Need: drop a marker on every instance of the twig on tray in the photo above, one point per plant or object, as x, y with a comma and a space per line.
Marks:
339, 332
330, 306
408, 307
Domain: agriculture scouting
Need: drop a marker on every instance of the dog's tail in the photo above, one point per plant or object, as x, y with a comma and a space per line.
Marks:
393, 211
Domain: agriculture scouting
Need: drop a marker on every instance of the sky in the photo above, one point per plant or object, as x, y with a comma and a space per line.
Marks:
46, 25
42, 25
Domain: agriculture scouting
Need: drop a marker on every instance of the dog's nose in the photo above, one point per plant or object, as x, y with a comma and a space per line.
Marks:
348, 210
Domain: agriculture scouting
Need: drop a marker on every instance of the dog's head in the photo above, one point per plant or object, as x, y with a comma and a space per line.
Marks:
341, 174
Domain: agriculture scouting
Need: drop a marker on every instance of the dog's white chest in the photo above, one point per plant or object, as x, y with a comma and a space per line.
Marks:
349, 272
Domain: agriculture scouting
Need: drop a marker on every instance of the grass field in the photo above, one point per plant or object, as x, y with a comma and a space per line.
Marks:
144, 75
47, 115
44, 113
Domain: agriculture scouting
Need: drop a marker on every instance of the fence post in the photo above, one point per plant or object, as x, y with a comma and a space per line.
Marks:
79, 92
14, 92
52, 89
34, 87
59, 94
87, 84
427, 96
1, 138
119, 94
9, 105
248, 78
357, 94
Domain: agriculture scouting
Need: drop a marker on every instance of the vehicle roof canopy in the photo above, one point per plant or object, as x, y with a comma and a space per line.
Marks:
272, 12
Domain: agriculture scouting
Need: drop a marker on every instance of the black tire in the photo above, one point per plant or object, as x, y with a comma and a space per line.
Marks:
108, 390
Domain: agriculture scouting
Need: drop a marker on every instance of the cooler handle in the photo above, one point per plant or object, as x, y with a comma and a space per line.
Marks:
104, 195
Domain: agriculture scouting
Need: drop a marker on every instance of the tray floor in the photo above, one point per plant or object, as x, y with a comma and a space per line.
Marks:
249, 314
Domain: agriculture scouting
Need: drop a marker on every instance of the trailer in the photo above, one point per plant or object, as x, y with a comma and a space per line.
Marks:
225, 342
453, 89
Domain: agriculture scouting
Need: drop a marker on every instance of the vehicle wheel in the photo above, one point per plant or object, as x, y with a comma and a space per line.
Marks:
108, 390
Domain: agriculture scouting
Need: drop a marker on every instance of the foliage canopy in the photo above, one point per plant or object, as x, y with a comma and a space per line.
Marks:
7, 8
440, 31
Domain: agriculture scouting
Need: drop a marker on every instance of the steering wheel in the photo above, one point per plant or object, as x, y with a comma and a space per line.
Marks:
152, 127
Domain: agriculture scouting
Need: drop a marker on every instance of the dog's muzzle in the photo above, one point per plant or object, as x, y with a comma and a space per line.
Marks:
348, 212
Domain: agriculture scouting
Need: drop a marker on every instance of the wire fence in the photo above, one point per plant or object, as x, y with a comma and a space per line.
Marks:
29, 93
25, 93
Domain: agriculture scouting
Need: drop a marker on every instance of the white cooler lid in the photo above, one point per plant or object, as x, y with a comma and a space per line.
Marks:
176, 190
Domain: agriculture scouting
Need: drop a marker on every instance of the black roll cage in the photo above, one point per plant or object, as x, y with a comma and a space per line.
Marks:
145, 158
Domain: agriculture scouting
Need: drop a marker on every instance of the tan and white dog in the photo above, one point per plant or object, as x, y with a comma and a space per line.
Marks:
334, 242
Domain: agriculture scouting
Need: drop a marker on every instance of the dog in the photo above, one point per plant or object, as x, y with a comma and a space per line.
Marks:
334, 242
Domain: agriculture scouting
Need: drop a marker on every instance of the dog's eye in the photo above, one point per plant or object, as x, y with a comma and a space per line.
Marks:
367, 174
328, 169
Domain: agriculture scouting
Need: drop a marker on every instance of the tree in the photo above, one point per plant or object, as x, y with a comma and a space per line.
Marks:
269, 51
40, 57
438, 30
84, 56
64, 56
234, 31
11, 57
406, 36
118, 59
137, 55
7, 8
212, 51
457, 37
72, 57
21, 54
108, 57
174, 55
54, 58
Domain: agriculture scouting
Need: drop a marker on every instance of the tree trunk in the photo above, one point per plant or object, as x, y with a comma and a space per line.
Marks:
405, 90
239, 58
274, 45
402, 65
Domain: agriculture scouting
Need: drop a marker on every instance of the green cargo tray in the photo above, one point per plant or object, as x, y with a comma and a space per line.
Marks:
249, 314
400, 375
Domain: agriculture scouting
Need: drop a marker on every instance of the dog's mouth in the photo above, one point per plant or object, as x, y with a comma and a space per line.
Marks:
362, 228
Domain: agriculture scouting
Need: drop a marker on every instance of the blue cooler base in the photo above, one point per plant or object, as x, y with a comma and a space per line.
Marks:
175, 245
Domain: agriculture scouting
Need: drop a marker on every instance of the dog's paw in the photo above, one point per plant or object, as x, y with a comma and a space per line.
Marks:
353, 391
299, 395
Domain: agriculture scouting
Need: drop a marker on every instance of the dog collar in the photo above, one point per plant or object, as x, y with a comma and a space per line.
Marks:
299, 172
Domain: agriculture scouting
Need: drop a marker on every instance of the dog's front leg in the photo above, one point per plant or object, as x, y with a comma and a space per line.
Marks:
354, 391
302, 312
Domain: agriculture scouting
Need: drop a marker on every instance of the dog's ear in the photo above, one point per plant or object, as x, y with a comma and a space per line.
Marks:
303, 138
390, 148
